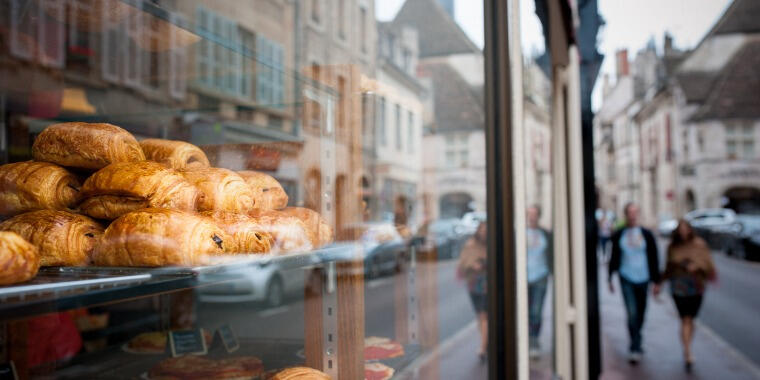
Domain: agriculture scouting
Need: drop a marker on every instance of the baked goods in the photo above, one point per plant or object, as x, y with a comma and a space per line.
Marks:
377, 371
221, 189
377, 348
155, 237
128, 186
62, 238
196, 367
86, 145
300, 373
247, 235
268, 194
27, 186
19, 260
316, 224
148, 343
179, 155
290, 233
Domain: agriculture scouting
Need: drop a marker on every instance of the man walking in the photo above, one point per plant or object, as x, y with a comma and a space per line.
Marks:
539, 262
634, 257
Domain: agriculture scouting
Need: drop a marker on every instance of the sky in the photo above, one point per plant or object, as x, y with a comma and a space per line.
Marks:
629, 24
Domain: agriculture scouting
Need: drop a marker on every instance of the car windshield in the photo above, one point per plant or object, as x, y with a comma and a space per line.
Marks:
443, 226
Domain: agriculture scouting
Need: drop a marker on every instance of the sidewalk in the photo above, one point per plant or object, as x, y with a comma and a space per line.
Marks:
715, 359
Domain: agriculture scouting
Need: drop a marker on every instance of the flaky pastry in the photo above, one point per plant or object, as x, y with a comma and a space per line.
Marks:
19, 259
179, 155
268, 194
247, 235
221, 189
27, 186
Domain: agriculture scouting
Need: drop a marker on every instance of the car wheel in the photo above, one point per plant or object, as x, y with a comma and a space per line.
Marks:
738, 251
275, 292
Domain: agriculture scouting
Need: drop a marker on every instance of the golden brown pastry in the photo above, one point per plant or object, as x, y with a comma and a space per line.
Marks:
179, 155
27, 186
290, 233
86, 145
300, 373
320, 230
19, 259
129, 186
247, 235
221, 189
268, 194
62, 238
156, 237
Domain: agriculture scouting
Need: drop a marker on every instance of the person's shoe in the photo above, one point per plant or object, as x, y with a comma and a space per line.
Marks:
634, 357
483, 358
688, 366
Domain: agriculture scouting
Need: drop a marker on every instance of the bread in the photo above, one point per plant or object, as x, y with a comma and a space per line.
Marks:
129, 186
62, 238
320, 230
27, 186
221, 189
156, 237
179, 155
86, 145
268, 194
19, 259
191, 367
247, 235
290, 233
300, 373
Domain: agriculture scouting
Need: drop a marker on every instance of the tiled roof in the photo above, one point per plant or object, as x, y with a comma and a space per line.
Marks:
742, 16
695, 85
439, 35
457, 106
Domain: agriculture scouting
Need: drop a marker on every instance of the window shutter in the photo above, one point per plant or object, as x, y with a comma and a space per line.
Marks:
132, 62
177, 83
110, 43
279, 77
50, 33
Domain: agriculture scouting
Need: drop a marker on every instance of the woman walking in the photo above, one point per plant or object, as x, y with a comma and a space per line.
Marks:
472, 267
689, 266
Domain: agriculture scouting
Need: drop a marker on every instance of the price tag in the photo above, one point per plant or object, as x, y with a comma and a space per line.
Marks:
8, 371
187, 342
229, 339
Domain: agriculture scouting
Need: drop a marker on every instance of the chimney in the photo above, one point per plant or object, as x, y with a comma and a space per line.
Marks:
668, 45
622, 63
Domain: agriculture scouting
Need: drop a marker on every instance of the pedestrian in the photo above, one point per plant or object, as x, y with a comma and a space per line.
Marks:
472, 267
634, 257
539, 260
689, 266
605, 223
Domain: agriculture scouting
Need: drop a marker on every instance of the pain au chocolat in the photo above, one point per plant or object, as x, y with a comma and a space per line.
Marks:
221, 189
300, 373
62, 238
179, 155
88, 146
321, 232
247, 235
268, 194
290, 233
19, 259
27, 186
155, 237
129, 186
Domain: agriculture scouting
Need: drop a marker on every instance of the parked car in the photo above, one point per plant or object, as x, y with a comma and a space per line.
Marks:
666, 227
471, 220
717, 226
384, 248
746, 243
447, 236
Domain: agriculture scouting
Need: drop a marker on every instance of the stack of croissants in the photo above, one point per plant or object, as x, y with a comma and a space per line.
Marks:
161, 202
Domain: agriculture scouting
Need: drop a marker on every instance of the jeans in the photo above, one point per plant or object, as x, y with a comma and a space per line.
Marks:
536, 295
635, 297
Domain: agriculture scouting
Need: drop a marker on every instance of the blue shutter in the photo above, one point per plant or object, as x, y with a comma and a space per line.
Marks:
278, 85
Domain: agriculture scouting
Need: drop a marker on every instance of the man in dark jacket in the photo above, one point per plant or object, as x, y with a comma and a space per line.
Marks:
634, 257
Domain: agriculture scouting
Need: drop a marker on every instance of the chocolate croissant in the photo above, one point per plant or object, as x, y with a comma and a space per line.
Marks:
156, 237
300, 373
268, 194
129, 186
27, 186
86, 145
221, 189
290, 233
179, 155
320, 230
19, 259
62, 238
247, 235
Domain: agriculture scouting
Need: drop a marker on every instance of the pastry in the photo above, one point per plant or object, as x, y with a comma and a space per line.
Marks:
62, 238
247, 235
290, 233
149, 342
376, 348
86, 145
19, 260
221, 189
316, 224
300, 373
27, 186
156, 237
128, 186
179, 155
377, 371
268, 194
195, 367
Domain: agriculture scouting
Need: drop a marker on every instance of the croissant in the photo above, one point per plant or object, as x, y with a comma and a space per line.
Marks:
247, 235
129, 186
19, 259
320, 230
62, 238
179, 155
156, 237
300, 373
290, 233
268, 194
86, 145
221, 189
27, 186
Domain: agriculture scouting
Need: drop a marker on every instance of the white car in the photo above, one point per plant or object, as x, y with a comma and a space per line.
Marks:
471, 220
